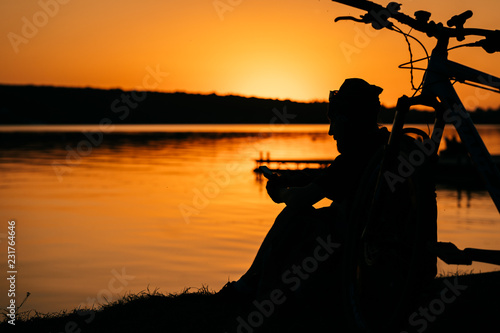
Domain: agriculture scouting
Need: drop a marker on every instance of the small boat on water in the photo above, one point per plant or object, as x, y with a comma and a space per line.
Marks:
455, 167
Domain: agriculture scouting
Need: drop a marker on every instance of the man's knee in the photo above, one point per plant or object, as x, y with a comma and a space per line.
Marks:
290, 214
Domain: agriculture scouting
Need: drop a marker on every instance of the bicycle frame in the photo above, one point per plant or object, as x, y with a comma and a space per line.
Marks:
370, 227
438, 75
437, 84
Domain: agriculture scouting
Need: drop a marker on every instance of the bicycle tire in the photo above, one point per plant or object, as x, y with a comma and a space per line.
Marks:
381, 277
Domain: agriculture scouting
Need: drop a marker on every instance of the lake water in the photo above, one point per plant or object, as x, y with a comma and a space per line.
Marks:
164, 206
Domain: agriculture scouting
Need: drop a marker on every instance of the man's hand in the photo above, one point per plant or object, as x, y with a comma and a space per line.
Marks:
294, 196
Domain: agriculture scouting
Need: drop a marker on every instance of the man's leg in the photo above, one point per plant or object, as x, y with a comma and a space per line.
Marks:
287, 228
292, 236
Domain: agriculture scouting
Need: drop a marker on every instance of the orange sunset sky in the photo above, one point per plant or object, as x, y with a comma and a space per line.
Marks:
266, 48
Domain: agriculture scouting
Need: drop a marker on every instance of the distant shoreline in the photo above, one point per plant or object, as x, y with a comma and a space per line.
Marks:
46, 105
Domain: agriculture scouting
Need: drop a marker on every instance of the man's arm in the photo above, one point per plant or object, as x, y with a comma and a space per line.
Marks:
297, 196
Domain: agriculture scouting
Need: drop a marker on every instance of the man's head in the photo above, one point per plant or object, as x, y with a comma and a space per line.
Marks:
353, 111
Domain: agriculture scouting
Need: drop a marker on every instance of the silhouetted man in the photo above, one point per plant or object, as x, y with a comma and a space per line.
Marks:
300, 228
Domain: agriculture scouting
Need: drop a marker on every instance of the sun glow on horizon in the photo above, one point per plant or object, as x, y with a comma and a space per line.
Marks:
280, 50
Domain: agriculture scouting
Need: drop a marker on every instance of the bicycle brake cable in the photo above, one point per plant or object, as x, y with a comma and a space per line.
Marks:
480, 87
411, 56
411, 62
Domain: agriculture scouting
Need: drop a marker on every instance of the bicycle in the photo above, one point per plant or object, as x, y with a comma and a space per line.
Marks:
389, 243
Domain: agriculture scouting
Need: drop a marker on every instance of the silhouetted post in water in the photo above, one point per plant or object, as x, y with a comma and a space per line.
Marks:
301, 232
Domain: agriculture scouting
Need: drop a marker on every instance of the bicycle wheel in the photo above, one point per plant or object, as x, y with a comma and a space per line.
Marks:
384, 271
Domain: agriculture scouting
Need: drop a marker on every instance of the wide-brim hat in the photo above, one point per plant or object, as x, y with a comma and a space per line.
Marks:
356, 98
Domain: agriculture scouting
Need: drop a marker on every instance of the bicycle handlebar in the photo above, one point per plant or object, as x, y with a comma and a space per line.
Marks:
378, 16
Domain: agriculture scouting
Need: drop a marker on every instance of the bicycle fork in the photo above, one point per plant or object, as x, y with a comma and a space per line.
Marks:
437, 83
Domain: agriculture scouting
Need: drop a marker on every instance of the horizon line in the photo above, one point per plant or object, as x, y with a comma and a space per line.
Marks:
228, 94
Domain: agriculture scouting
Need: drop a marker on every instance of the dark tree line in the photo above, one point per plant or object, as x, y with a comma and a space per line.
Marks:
54, 105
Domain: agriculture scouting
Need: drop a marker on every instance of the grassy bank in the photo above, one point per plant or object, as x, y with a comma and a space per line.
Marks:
475, 308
